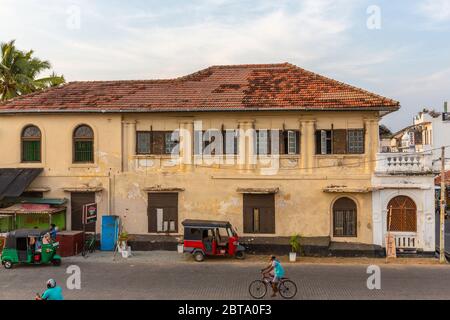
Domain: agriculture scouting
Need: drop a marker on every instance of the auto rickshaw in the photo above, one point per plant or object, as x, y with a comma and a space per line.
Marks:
27, 246
211, 238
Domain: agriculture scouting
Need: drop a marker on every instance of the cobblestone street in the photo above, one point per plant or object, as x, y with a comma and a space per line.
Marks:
159, 276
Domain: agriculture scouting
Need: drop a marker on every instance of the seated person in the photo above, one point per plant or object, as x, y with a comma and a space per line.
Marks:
32, 244
47, 239
207, 241
220, 241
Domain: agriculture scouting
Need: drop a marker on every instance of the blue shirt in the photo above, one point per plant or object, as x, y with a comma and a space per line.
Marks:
53, 294
53, 234
277, 269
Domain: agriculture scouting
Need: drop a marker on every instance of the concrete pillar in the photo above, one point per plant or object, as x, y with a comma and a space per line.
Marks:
246, 145
371, 144
186, 145
129, 144
307, 144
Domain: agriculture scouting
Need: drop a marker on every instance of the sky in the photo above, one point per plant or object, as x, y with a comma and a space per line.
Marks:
399, 49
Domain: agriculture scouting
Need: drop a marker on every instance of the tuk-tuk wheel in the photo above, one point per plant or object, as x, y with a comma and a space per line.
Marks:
199, 256
56, 262
7, 264
239, 255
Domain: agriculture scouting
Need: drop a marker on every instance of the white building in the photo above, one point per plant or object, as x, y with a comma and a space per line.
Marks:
404, 182
435, 133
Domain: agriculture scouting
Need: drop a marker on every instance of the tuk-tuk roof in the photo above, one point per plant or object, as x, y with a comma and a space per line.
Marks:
23, 233
206, 224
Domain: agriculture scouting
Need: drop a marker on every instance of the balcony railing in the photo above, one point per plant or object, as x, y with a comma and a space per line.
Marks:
404, 163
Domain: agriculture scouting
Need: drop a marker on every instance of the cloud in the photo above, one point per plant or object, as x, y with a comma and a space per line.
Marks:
171, 41
435, 10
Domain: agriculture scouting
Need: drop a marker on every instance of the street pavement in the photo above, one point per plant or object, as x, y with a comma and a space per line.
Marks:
162, 276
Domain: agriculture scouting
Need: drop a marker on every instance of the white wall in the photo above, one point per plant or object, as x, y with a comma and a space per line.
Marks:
423, 196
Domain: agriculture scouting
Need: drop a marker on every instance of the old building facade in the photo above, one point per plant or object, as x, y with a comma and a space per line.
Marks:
274, 149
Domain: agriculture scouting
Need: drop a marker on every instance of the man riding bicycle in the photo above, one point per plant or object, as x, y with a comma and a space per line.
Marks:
275, 271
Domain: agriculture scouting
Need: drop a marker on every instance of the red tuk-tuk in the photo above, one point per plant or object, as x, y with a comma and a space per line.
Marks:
211, 238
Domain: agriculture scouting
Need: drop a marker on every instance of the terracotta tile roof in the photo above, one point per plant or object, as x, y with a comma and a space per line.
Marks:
234, 87
437, 180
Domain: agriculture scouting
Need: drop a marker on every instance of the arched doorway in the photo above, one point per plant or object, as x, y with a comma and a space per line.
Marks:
403, 217
344, 218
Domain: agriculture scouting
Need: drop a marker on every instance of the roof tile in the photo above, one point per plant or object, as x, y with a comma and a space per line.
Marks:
233, 87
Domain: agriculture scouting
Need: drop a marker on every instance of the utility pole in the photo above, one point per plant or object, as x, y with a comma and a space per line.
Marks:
442, 202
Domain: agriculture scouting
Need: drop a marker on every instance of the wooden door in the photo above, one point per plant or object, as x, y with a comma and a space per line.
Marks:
259, 213
404, 214
163, 212
77, 201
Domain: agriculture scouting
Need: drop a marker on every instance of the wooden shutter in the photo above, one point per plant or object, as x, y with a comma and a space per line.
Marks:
318, 142
339, 141
158, 139
266, 205
168, 202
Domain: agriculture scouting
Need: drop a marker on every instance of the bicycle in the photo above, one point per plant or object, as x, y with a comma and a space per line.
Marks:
89, 245
258, 288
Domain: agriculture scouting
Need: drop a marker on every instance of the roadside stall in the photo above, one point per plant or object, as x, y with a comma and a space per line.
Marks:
32, 216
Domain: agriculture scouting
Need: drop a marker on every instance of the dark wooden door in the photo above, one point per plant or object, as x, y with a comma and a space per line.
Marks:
259, 213
162, 212
77, 201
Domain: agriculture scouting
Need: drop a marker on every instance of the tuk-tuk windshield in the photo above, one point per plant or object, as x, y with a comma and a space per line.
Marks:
231, 232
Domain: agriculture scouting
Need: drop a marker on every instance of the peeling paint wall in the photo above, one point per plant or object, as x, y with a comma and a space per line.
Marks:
210, 192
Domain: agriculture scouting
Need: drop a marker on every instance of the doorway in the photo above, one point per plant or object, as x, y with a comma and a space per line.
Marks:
77, 201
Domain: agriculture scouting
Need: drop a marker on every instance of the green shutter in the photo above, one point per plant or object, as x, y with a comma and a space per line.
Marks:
31, 151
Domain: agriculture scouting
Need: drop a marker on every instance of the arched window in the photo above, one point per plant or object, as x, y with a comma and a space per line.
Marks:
344, 218
403, 216
83, 144
31, 144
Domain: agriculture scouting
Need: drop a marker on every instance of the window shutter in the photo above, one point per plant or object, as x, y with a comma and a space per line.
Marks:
283, 142
297, 137
339, 141
318, 142
292, 142
323, 142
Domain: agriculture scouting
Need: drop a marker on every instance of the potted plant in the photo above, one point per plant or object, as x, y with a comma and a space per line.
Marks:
295, 247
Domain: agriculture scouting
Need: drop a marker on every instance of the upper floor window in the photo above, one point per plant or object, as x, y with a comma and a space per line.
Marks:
156, 142
290, 142
83, 144
340, 141
31, 144
230, 141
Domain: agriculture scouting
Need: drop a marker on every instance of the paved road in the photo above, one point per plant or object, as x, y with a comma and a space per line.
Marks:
222, 280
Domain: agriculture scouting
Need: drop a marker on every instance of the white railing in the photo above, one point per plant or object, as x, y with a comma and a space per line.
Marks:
404, 162
403, 241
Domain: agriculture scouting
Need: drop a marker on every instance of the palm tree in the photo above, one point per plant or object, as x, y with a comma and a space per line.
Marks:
19, 72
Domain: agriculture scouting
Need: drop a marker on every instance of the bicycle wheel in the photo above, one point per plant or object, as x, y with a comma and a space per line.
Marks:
257, 289
288, 289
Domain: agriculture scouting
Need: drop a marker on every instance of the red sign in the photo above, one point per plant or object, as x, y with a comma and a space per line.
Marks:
90, 213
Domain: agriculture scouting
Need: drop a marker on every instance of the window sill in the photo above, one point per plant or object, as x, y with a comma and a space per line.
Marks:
31, 165
83, 165
153, 156
340, 156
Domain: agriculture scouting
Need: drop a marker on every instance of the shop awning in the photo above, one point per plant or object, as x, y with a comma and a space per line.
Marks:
31, 208
14, 181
